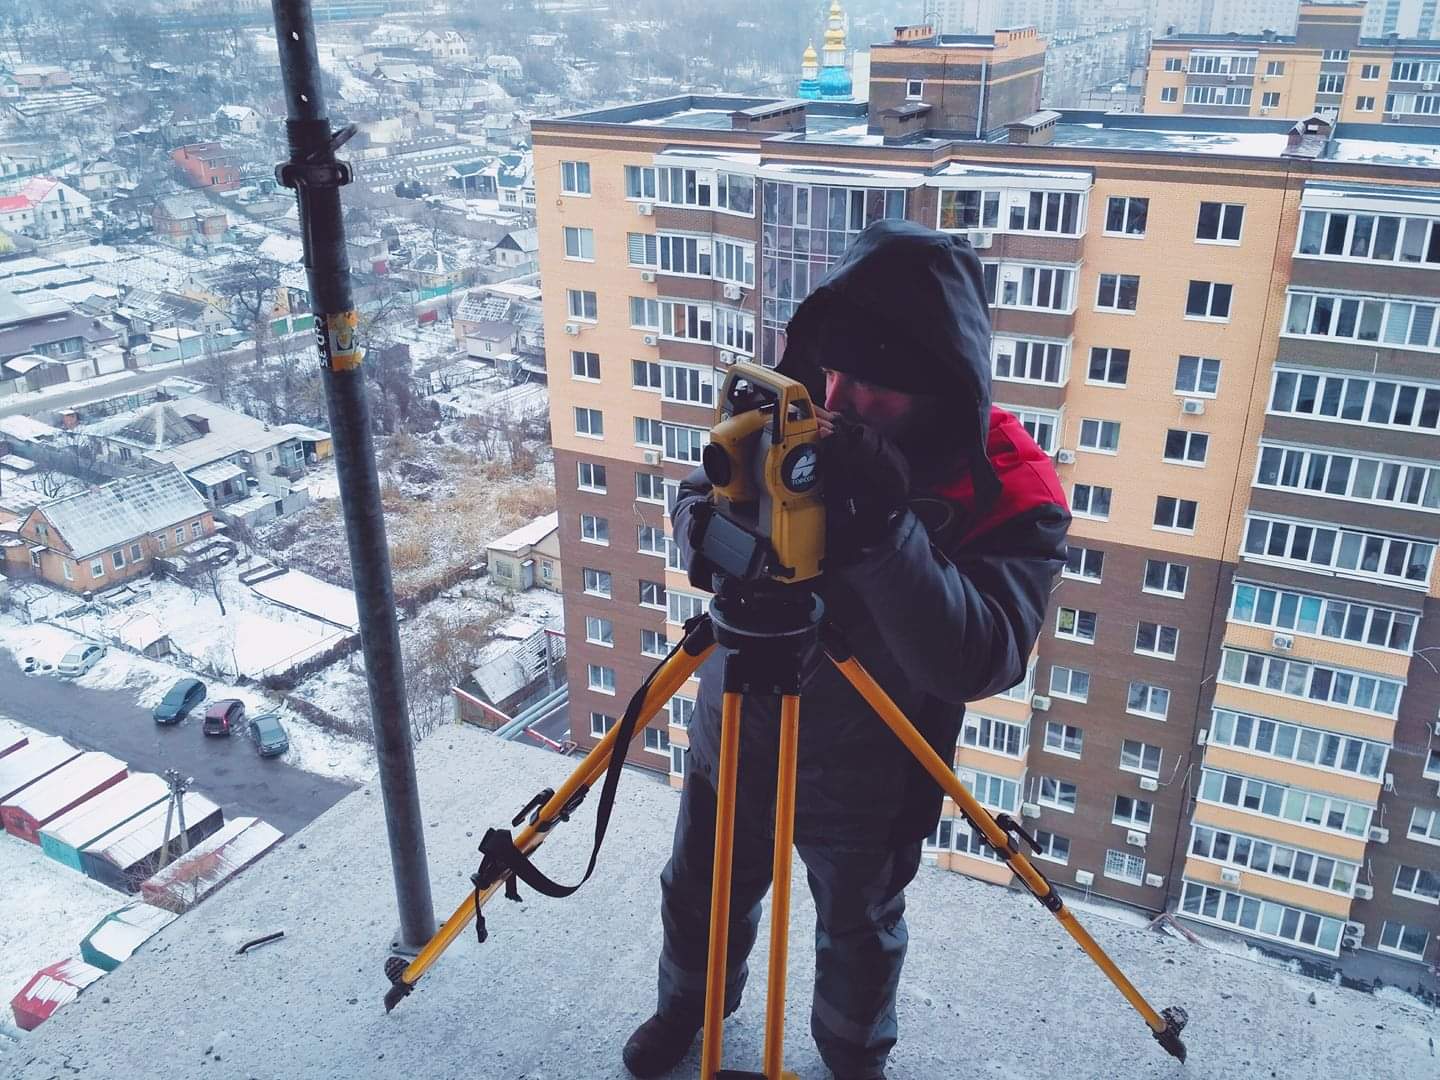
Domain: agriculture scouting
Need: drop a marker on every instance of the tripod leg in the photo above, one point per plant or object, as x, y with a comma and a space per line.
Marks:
780, 896
712, 1047
668, 678
1164, 1026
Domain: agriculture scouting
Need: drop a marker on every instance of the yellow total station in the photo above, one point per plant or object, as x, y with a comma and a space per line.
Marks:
763, 464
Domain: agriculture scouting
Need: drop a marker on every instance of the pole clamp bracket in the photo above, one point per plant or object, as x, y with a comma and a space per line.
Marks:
304, 174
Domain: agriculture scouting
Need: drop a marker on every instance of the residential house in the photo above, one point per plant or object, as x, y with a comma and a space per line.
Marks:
501, 126
143, 312
48, 327
436, 274
519, 251
504, 324
17, 213
239, 120
35, 372
181, 218
9, 88
111, 533
40, 76
443, 45
515, 180
369, 254
508, 67
116, 62
102, 178
45, 207
208, 165
528, 556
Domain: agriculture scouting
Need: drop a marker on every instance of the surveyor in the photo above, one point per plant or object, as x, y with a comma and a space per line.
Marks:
945, 527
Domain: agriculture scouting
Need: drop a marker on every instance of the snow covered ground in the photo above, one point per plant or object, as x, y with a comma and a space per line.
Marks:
45, 909
312, 748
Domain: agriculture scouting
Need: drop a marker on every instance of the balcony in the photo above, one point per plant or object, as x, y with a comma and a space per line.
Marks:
561, 983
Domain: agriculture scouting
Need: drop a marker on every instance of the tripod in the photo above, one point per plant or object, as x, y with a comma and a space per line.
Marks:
767, 631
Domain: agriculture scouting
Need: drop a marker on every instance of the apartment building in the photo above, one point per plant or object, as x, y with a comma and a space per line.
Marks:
1325, 67
1217, 326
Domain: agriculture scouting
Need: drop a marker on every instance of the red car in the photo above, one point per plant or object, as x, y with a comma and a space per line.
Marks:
224, 716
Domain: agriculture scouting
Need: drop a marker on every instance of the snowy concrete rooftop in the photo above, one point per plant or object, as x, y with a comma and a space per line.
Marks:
992, 987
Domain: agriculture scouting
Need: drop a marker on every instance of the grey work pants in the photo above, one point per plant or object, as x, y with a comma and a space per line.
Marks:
860, 935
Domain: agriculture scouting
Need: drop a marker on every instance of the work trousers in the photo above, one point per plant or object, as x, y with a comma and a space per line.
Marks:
860, 934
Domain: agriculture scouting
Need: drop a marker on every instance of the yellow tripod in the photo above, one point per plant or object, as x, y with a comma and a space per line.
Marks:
766, 633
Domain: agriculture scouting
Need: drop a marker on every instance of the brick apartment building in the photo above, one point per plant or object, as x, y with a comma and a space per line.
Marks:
1325, 67
1221, 328
208, 165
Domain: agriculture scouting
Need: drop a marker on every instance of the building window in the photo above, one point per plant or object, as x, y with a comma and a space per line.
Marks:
999, 792
1262, 918
1220, 222
1118, 292
599, 631
1378, 238
1053, 847
1169, 94
601, 678
1356, 400
1330, 84
685, 444
1070, 683
1197, 376
1186, 447
97, 568
1218, 95
579, 244
1075, 624
1045, 211
642, 249
914, 89
653, 643
584, 365
1121, 866
1364, 104
600, 724
1126, 215
973, 209
688, 385
652, 595
646, 375
1085, 563
1276, 860
1066, 739
682, 607
180, 535
1174, 63
1057, 794
996, 736
1346, 476
582, 304
594, 529
135, 554
682, 710
1136, 756
1101, 436
1298, 679
590, 423
649, 432
1270, 99
1353, 553
1275, 67
650, 541
1132, 813
1424, 825
1369, 72
734, 262
1156, 639
1146, 699
1091, 501
1208, 300
575, 177
639, 182
197, 528
1396, 937
1417, 883
597, 582
117, 559
590, 476
64, 568
1316, 616
1039, 425
650, 487
1041, 288
657, 740
1021, 360
1175, 515
1396, 323
1308, 746
678, 756
1109, 367
1165, 578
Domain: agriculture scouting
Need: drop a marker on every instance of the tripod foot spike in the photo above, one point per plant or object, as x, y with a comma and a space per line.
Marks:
399, 989
1175, 1020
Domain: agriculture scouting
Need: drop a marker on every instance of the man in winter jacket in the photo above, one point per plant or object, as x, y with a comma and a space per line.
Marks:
945, 528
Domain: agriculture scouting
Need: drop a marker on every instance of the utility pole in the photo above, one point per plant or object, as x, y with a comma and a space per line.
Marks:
176, 806
316, 176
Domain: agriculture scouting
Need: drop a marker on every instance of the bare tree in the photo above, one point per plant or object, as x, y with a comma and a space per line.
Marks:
249, 286
52, 483
203, 576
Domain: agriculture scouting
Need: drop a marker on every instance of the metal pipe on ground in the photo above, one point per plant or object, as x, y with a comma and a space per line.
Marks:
316, 176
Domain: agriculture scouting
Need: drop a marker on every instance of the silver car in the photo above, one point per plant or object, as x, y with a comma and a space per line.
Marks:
80, 659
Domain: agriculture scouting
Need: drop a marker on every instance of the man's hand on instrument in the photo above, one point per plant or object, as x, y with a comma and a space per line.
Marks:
867, 482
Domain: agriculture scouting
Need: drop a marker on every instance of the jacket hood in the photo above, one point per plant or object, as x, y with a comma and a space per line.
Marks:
904, 308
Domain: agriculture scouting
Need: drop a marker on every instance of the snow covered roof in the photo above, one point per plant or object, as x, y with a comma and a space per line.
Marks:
481, 307
215, 473
41, 756
211, 863
56, 985
118, 512
526, 240
284, 249
98, 815
527, 536
230, 433
26, 428
49, 795
145, 834
120, 933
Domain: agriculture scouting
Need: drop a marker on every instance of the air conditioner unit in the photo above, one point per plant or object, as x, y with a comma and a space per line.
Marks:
644, 209
1029, 809
1379, 834
1283, 641
1427, 86
1155, 881
1149, 783
1230, 876
1351, 941
726, 356
572, 328
1084, 877
1193, 406
647, 275
1389, 781
1065, 457
732, 292
1202, 736
1356, 928
981, 240
651, 457
1230, 78
1364, 892
1040, 703
1136, 838
1393, 116
649, 339
1266, 110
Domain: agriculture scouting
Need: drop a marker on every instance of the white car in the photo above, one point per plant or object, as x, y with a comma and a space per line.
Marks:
80, 659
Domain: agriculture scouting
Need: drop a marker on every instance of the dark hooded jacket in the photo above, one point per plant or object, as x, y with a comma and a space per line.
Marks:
939, 616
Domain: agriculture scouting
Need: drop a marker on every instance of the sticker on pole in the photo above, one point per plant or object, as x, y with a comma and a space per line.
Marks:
339, 340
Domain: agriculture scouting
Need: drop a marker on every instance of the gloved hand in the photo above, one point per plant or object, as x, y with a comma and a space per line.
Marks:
867, 482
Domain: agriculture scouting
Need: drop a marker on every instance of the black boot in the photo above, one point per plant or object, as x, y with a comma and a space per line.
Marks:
657, 1046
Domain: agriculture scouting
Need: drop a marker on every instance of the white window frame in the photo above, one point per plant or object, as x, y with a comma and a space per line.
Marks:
593, 418
1137, 819
579, 243
1064, 740
1143, 750
1085, 564
1424, 827
570, 178
1265, 529
1099, 436
656, 593
651, 480
1150, 691
1166, 575
600, 679
1090, 491
1064, 680
1169, 95
583, 305
657, 740
1201, 367
1213, 291
1107, 357
1345, 688
1053, 792
597, 482
1190, 440
1226, 212
1177, 506
581, 360
644, 188
600, 724
1074, 634
1127, 214
1335, 752
1122, 866
595, 529
1399, 936
599, 631
1157, 650
1037, 423
914, 89
603, 582
1116, 282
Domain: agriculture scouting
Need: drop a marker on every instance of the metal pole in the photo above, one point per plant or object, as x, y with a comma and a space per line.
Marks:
317, 178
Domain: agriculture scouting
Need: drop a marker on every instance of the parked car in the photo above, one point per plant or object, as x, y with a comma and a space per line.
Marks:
269, 735
178, 701
80, 659
224, 716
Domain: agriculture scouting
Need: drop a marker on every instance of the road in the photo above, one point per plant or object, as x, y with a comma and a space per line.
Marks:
226, 770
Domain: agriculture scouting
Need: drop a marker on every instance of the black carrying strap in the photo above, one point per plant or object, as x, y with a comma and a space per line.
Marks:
498, 846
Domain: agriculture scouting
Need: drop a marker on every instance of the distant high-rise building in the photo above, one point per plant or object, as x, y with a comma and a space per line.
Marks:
1407, 18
